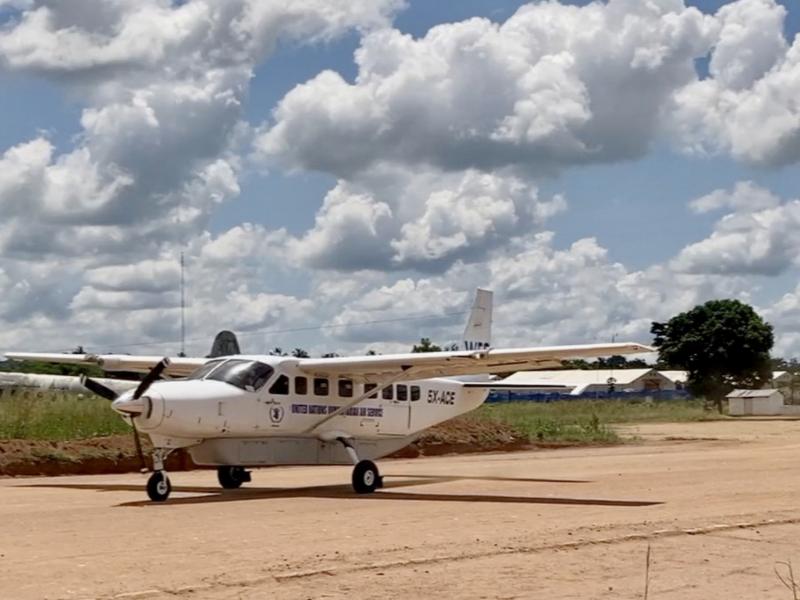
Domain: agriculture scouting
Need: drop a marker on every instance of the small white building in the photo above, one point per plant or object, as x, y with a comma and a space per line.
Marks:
678, 378
755, 402
580, 381
781, 380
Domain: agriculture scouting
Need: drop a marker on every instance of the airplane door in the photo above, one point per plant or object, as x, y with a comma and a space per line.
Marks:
396, 405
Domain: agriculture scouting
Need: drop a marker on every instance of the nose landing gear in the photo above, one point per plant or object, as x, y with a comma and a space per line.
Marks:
158, 486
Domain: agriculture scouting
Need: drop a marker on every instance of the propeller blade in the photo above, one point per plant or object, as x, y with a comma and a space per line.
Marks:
148, 380
98, 388
138, 443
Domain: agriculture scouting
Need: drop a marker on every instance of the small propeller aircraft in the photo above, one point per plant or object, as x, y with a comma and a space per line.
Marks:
242, 411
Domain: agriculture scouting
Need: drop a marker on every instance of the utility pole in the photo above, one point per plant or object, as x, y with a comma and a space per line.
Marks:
183, 309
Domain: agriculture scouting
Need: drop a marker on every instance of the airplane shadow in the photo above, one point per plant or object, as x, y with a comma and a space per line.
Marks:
215, 494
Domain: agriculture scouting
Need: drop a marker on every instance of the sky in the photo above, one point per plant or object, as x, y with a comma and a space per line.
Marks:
341, 175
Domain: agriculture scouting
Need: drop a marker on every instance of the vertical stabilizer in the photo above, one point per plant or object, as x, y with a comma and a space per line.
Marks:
478, 333
225, 344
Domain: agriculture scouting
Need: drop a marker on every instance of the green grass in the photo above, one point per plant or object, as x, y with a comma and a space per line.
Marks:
43, 415
587, 421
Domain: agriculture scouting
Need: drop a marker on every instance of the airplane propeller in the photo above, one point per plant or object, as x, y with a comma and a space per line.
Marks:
106, 392
98, 388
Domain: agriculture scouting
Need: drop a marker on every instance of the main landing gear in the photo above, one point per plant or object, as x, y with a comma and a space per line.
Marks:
158, 486
366, 477
232, 477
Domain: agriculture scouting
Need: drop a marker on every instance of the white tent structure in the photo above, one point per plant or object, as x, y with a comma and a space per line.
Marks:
580, 381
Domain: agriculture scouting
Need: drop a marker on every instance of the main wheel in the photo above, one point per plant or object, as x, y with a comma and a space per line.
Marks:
232, 477
366, 478
158, 486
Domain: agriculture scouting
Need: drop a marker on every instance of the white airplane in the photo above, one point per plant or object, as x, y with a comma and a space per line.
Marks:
250, 411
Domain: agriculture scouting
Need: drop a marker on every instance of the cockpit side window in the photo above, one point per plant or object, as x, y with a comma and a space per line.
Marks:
201, 372
245, 374
281, 386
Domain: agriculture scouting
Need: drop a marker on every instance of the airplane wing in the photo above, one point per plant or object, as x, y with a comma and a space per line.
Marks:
179, 366
405, 367
62, 383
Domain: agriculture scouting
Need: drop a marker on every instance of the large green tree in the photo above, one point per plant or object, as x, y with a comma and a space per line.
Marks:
722, 344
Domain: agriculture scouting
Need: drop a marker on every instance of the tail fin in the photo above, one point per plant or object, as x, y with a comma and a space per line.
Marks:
478, 333
225, 344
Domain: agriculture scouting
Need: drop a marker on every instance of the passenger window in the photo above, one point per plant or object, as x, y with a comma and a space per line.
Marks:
281, 386
300, 386
368, 387
415, 393
345, 388
387, 392
402, 392
321, 386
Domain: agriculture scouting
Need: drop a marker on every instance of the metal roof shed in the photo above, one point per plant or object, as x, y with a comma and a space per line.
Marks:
755, 402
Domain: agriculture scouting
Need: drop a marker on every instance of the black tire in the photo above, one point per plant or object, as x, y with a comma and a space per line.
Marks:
158, 487
366, 478
232, 478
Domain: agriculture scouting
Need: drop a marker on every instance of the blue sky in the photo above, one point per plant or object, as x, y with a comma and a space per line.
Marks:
353, 221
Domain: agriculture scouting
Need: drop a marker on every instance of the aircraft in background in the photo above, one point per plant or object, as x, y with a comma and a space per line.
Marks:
249, 411
224, 344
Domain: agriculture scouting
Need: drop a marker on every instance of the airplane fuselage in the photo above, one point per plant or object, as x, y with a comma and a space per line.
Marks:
221, 422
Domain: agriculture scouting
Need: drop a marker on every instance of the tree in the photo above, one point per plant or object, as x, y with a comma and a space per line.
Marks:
277, 351
722, 344
300, 353
425, 345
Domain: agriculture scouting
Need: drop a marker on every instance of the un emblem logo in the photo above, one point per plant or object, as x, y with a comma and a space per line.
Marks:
276, 414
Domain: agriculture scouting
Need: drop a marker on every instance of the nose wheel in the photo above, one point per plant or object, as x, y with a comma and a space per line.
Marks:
158, 486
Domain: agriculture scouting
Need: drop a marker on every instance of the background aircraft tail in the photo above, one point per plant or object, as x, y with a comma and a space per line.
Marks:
225, 344
478, 332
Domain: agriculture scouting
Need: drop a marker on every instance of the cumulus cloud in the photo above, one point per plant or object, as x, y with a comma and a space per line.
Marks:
552, 86
758, 237
395, 219
101, 39
746, 196
387, 312
747, 107
543, 295
162, 86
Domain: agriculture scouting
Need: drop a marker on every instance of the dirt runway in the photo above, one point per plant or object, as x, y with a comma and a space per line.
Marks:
716, 502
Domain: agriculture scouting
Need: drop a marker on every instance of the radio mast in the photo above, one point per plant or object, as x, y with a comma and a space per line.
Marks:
183, 308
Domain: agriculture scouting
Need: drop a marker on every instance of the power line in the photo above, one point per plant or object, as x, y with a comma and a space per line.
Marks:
298, 329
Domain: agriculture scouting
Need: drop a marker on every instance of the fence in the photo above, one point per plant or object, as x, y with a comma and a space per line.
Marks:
530, 396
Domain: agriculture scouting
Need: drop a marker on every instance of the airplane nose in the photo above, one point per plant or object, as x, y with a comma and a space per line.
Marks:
128, 405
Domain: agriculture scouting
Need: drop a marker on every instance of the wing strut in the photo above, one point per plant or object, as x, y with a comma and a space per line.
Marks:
381, 386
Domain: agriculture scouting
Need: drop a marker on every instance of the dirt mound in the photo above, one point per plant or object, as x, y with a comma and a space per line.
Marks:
117, 453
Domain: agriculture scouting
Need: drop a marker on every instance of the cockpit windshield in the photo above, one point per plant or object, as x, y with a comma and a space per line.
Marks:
244, 374
201, 372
